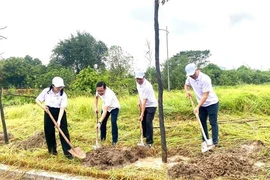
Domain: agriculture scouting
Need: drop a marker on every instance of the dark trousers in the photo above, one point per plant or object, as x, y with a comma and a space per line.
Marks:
49, 129
212, 112
114, 115
147, 124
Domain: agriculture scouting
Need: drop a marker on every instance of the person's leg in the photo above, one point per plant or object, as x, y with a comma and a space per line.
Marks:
213, 115
64, 128
114, 116
203, 117
103, 129
49, 131
149, 124
144, 124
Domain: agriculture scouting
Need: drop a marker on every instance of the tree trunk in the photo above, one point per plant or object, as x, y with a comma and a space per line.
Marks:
160, 86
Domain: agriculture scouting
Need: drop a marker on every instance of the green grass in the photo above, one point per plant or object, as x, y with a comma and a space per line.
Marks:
243, 111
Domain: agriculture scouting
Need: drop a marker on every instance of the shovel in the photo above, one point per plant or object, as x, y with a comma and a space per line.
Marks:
97, 146
77, 152
208, 143
141, 134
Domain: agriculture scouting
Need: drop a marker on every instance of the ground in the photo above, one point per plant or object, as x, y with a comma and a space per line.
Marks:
243, 160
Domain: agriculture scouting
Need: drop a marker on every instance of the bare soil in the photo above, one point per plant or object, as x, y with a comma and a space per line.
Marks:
2, 137
247, 159
235, 163
35, 141
107, 157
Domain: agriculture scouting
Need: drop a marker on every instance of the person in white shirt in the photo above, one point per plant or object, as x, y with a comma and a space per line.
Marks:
56, 102
147, 105
110, 106
207, 99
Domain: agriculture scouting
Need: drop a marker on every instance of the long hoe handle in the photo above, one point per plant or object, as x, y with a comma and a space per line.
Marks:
97, 130
59, 129
198, 118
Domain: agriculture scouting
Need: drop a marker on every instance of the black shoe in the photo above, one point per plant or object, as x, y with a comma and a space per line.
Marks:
70, 157
53, 151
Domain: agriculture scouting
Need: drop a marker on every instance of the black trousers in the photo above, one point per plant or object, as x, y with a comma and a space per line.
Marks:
49, 129
114, 115
147, 124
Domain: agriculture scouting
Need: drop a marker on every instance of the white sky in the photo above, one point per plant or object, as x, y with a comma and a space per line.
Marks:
236, 32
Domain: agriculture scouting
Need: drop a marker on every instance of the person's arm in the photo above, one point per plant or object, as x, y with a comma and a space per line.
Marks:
187, 88
104, 113
142, 109
139, 103
96, 104
203, 99
60, 115
40, 105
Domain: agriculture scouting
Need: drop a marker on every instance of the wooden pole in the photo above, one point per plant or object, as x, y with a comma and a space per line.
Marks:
3, 118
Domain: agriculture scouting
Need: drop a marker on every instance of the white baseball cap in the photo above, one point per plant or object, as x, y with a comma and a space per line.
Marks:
139, 74
190, 69
58, 82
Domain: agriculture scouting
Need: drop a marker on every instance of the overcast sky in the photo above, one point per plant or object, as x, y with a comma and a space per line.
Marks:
237, 32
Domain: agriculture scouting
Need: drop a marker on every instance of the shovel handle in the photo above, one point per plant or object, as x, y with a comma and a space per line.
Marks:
198, 118
60, 130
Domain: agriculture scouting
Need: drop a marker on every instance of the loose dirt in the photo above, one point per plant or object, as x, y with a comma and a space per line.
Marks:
107, 157
2, 137
35, 141
236, 163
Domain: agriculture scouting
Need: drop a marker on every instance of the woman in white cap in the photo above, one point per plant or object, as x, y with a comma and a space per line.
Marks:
55, 101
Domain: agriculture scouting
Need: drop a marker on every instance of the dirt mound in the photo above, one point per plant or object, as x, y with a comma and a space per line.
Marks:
35, 141
235, 164
108, 157
2, 137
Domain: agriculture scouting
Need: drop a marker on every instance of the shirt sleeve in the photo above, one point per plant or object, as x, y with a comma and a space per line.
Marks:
187, 82
207, 85
146, 94
41, 96
108, 100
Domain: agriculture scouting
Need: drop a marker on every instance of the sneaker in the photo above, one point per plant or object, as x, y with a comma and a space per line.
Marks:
114, 144
149, 145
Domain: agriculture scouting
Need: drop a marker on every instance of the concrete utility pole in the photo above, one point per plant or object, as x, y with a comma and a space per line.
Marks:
168, 64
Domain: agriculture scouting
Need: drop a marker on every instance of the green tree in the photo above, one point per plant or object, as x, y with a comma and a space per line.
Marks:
86, 81
21, 72
200, 58
177, 71
79, 52
214, 72
119, 62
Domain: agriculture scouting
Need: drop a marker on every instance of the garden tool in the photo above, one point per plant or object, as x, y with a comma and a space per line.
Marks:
97, 146
141, 133
208, 143
77, 152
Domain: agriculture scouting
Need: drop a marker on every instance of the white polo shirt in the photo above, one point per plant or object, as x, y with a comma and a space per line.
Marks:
146, 91
109, 99
53, 100
201, 85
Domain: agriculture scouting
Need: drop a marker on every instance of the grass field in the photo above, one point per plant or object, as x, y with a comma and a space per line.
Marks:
243, 119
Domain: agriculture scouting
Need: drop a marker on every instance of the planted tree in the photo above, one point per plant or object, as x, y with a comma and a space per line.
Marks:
160, 86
